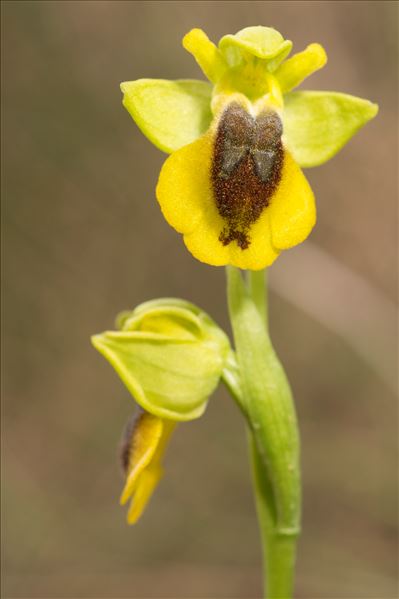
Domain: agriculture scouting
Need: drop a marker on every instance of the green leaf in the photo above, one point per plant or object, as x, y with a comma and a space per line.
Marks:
265, 43
170, 358
318, 124
171, 114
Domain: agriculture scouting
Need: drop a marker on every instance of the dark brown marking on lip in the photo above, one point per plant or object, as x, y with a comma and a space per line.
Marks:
126, 445
246, 169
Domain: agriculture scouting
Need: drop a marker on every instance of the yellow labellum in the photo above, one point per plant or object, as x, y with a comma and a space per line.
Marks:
187, 201
145, 448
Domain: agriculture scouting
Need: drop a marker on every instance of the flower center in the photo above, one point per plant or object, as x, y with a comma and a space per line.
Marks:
246, 169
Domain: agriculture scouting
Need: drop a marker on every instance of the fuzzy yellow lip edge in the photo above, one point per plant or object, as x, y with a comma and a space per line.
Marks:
184, 192
145, 447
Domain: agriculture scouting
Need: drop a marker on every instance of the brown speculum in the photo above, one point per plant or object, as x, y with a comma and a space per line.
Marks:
246, 169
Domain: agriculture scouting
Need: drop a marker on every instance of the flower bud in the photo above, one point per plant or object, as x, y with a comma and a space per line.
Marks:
169, 354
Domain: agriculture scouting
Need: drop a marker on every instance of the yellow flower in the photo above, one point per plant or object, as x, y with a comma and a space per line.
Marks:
236, 194
144, 446
171, 356
233, 185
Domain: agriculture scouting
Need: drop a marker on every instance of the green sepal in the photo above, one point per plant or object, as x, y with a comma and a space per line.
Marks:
265, 43
171, 114
169, 354
296, 68
318, 124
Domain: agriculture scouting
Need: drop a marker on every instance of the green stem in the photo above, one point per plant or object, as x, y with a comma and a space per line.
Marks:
231, 378
257, 287
278, 549
264, 395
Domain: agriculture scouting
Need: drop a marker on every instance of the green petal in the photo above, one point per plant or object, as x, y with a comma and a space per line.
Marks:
318, 124
262, 42
171, 114
294, 70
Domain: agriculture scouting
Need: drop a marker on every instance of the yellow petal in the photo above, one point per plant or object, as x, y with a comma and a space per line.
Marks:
260, 252
203, 242
167, 429
146, 485
183, 181
148, 442
145, 438
185, 195
296, 68
186, 198
203, 239
207, 55
292, 208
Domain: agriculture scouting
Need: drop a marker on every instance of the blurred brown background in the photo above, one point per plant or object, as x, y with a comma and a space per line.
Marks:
83, 238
